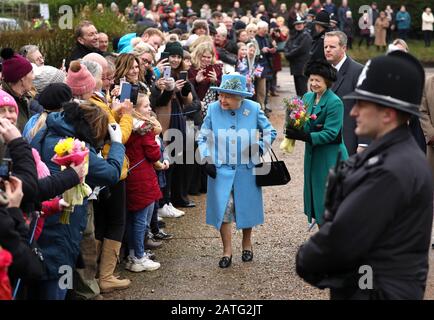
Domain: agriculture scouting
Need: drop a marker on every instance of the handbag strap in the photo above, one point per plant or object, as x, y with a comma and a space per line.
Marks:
271, 155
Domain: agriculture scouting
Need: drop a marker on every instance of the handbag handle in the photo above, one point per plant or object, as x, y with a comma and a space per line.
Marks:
271, 155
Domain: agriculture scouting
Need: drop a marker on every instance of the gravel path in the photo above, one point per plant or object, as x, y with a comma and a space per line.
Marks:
189, 261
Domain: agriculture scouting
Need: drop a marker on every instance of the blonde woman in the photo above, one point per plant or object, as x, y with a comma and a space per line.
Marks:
204, 71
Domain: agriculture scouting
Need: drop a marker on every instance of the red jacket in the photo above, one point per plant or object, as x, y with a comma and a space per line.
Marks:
142, 181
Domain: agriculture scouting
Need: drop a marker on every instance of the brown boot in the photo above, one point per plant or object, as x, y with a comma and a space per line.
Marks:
98, 255
109, 257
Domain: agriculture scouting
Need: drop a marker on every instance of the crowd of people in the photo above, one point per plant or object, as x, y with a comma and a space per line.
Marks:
138, 102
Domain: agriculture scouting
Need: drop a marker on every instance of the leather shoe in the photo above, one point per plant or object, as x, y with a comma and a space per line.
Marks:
185, 204
225, 262
247, 255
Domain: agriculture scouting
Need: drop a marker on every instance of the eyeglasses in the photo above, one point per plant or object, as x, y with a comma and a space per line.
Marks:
146, 61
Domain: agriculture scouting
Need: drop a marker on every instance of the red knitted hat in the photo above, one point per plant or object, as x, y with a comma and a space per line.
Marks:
15, 67
79, 79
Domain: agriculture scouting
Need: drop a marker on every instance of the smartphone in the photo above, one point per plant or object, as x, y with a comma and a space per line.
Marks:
5, 168
167, 71
134, 94
183, 75
208, 70
125, 91
164, 55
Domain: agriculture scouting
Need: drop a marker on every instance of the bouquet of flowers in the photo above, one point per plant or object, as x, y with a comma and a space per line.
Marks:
72, 151
5, 285
296, 117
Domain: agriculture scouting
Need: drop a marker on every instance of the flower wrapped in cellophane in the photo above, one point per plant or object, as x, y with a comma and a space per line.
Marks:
72, 151
295, 117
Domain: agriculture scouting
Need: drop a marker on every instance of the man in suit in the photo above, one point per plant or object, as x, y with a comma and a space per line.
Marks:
335, 46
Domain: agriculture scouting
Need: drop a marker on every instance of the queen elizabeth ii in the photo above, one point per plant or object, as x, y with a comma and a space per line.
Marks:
234, 134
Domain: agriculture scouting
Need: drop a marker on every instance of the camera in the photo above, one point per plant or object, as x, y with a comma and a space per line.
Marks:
5, 168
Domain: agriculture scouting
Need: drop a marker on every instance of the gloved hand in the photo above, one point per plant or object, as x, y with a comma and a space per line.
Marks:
210, 168
170, 84
115, 132
295, 134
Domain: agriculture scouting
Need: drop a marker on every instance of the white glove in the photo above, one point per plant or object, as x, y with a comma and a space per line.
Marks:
170, 84
115, 132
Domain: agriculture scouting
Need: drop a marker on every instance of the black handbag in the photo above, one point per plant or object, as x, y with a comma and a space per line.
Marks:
272, 173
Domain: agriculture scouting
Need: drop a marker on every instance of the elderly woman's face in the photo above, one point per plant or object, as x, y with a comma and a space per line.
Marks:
229, 101
317, 83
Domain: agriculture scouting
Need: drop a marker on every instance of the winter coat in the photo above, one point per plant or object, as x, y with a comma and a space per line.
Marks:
321, 154
427, 119
403, 20
202, 87
23, 106
347, 78
297, 51
265, 59
125, 122
79, 52
317, 49
381, 26
60, 243
142, 182
234, 169
427, 21
383, 220
14, 237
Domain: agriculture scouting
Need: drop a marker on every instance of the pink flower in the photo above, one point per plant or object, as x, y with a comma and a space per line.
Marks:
313, 116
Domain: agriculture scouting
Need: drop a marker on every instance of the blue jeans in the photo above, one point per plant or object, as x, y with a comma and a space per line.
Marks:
50, 290
137, 225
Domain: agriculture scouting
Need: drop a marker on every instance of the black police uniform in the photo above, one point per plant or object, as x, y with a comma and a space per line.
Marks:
379, 203
383, 220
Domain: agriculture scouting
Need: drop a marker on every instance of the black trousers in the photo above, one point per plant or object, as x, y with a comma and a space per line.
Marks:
300, 83
180, 183
110, 213
427, 37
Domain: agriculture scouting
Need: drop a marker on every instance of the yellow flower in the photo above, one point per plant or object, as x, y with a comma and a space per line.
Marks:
64, 147
297, 122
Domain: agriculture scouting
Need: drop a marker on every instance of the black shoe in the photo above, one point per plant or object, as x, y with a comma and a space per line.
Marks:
225, 262
161, 235
247, 255
185, 204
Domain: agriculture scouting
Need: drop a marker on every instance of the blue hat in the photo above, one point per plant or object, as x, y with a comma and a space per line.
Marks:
233, 83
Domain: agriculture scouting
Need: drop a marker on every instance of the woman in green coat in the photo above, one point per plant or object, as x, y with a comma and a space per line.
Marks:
323, 136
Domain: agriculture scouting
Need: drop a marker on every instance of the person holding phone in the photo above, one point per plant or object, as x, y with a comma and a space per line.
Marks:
205, 72
169, 97
128, 68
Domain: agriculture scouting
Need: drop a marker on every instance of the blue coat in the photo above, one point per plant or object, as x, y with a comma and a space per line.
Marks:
60, 243
230, 153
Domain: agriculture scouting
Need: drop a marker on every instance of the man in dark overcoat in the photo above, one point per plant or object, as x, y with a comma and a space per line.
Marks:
348, 71
375, 240
297, 53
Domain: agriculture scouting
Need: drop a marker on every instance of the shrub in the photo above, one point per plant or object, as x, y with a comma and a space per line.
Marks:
57, 44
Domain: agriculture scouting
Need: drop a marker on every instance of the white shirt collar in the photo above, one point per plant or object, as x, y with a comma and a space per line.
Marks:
339, 65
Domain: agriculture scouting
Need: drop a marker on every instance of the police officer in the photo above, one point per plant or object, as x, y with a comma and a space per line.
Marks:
297, 53
322, 25
379, 205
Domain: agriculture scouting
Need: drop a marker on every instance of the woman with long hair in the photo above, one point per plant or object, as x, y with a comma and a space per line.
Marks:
61, 242
169, 97
204, 73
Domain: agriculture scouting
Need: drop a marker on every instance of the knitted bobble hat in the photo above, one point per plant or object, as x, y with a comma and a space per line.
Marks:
14, 66
79, 79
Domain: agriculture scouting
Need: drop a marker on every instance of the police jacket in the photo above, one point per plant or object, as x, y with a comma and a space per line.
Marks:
383, 219
317, 50
297, 51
